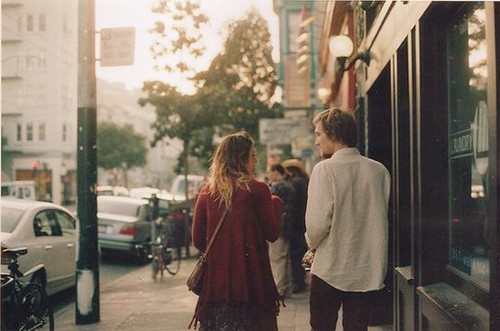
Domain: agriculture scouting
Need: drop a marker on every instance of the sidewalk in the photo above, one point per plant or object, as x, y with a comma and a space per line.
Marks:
135, 302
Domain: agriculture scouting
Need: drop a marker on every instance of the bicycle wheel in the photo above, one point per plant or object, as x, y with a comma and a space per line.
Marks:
173, 260
158, 264
41, 315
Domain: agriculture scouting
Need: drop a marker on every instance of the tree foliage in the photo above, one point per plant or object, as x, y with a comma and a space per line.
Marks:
178, 42
120, 147
233, 94
178, 45
242, 80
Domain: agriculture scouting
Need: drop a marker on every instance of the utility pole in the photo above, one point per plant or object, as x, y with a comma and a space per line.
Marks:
87, 264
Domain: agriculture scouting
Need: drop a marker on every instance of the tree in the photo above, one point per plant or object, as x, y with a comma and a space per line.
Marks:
233, 94
242, 80
178, 45
119, 148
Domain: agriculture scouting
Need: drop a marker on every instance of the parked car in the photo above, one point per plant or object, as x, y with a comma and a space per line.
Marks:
112, 190
48, 231
195, 182
124, 222
144, 192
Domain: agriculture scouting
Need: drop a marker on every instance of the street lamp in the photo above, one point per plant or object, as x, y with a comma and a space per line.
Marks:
341, 47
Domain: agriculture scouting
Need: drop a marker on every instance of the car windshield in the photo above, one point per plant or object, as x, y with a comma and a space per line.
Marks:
119, 208
10, 219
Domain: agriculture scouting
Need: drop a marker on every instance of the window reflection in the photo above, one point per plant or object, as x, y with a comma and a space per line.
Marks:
468, 147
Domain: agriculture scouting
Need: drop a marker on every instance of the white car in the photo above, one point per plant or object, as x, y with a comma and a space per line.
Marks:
48, 231
195, 182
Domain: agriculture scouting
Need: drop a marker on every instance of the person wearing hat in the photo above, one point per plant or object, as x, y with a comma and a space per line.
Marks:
298, 245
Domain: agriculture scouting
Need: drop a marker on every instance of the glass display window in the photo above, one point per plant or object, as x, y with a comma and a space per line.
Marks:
468, 224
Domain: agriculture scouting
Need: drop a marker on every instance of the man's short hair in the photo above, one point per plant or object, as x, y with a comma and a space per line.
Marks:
338, 125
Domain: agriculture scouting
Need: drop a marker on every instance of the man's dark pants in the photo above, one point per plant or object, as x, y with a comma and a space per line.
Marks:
325, 302
298, 248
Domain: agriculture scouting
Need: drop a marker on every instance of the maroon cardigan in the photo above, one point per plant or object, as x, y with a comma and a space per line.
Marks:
238, 272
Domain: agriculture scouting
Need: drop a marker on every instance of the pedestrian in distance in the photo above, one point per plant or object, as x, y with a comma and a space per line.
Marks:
279, 251
238, 291
298, 245
347, 224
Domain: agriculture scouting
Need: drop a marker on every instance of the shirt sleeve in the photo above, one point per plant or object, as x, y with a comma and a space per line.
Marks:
319, 211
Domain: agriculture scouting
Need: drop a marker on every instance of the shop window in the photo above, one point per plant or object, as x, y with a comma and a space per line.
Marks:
468, 148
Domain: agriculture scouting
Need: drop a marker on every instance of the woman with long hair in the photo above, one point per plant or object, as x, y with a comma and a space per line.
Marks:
238, 292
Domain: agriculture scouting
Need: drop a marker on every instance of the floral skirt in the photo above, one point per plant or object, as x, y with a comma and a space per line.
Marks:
223, 318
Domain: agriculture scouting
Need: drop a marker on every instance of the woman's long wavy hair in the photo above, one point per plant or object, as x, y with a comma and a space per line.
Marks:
229, 169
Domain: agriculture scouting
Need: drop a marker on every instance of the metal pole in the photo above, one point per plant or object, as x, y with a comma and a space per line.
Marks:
87, 265
155, 203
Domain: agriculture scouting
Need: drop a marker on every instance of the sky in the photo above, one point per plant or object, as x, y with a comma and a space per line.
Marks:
137, 13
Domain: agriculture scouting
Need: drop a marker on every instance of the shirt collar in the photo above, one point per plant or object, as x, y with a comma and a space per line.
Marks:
345, 151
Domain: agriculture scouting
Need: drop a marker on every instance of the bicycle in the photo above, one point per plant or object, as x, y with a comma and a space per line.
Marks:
166, 250
25, 307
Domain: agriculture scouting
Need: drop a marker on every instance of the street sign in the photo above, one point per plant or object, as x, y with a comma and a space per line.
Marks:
282, 130
276, 130
117, 46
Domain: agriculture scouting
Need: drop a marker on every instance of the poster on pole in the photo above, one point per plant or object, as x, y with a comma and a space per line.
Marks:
117, 46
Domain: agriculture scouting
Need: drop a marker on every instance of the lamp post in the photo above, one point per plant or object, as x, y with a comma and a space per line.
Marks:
341, 48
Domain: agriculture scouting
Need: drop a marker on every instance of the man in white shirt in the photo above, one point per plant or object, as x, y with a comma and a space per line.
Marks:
346, 222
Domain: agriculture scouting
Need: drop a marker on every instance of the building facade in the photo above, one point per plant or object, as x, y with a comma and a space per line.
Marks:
423, 81
39, 95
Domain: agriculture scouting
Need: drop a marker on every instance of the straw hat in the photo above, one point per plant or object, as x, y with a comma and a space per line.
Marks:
294, 163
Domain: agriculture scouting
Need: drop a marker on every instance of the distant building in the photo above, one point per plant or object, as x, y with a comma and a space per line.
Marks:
39, 95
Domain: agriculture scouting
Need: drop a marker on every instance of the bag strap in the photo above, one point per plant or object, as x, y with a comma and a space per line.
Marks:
215, 233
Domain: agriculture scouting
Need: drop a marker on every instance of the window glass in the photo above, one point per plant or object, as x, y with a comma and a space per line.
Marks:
29, 132
468, 147
10, 216
293, 31
29, 23
66, 223
41, 132
19, 132
65, 132
44, 224
42, 23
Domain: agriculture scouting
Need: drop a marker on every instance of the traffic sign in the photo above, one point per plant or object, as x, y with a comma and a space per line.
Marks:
117, 46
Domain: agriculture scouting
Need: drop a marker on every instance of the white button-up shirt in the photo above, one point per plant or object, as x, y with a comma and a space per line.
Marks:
346, 221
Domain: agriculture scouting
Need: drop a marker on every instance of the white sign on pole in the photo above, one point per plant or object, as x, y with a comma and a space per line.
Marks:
281, 130
117, 46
